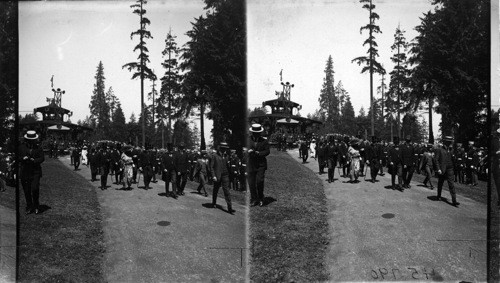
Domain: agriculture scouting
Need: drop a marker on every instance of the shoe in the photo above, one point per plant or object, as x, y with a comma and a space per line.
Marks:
214, 205
206, 195
432, 188
37, 211
261, 203
231, 211
455, 203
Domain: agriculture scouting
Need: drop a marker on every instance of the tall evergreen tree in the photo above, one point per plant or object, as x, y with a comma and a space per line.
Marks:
141, 68
169, 100
328, 101
99, 108
216, 63
112, 101
370, 62
451, 65
118, 124
348, 117
399, 84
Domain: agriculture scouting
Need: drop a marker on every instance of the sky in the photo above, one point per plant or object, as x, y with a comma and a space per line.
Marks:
298, 36
67, 39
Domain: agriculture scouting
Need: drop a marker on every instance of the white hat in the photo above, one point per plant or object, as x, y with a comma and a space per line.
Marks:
256, 128
31, 135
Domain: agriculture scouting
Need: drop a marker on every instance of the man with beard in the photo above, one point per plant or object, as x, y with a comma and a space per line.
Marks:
220, 173
444, 164
31, 157
258, 149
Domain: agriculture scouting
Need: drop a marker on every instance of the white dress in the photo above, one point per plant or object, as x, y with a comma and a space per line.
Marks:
84, 157
312, 149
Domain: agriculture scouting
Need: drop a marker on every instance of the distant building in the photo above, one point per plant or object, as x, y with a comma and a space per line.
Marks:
284, 115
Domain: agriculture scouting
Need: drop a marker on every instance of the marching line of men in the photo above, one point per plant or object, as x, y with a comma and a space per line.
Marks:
353, 155
176, 166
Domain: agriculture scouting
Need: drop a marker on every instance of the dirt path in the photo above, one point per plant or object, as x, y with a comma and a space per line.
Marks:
153, 238
378, 234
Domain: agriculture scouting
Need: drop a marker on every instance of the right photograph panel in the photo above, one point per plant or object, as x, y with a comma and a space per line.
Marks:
369, 140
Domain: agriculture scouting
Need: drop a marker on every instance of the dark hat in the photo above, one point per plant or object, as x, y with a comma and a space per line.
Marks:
31, 135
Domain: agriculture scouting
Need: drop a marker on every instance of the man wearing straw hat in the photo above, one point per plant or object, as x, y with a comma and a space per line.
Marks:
258, 149
31, 158
444, 164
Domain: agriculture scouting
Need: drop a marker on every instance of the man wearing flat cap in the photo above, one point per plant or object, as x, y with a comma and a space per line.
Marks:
258, 149
30, 158
444, 164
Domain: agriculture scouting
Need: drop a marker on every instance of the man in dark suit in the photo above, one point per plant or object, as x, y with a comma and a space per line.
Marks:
258, 149
321, 155
76, 156
146, 163
408, 160
104, 163
220, 175
181, 160
396, 165
444, 164
332, 152
169, 173
30, 158
373, 154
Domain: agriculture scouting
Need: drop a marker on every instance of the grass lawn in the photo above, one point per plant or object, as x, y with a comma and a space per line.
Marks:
289, 236
65, 242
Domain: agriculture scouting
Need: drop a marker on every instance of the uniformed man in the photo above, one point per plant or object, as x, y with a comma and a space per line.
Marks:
444, 163
258, 149
103, 160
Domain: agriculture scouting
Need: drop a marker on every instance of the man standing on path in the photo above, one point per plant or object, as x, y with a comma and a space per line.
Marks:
30, 158
220, 173
396, 165
258, 149
373, 158
104, 162
321, 154
332, 152
169, 173
426, 165
408, 160
76, 157
146, 163
444, 164
181, 160
201, 172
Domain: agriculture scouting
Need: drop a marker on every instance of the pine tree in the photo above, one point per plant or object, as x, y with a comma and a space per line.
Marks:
370, 62
399, 84
170, 96
328, 101
142, 70
348, 117
112, 101
99, 108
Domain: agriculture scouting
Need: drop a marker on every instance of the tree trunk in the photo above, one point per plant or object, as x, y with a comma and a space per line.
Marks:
431, 134
372, 118
202, 127
142, 92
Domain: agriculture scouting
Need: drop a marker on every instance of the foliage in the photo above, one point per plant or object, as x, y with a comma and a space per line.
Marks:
328, 100
215, 61
451, 65
8, 71
99, 108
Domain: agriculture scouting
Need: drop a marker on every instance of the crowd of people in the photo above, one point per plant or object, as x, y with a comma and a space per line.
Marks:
352, 156
221, 167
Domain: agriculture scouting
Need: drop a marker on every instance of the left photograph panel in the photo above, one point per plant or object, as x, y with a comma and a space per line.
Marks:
8, 137
131, 115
